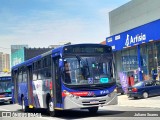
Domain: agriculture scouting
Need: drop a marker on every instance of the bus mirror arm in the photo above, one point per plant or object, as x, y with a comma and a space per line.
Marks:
62, 69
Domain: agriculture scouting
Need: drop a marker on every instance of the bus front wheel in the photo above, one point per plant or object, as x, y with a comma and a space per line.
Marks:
11, 102
93, 109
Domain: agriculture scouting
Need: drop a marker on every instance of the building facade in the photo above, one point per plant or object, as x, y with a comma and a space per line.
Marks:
1, 65
133, 14
32, 52
135, 39
20, 53
4, 62
17, 54
15, 48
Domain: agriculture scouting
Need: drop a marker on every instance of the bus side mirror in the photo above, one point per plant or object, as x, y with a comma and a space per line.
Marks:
60, 63
62, 69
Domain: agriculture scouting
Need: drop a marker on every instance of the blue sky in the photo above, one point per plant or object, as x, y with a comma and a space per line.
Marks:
40, 23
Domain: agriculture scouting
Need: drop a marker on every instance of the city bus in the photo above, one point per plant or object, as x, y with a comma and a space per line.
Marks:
74, 76
6, 89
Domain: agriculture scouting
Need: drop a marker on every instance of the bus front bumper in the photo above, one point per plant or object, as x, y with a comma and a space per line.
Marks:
6, 99
71, 102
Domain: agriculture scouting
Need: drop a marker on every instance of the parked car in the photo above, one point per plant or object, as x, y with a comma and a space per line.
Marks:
119, 89
144, 89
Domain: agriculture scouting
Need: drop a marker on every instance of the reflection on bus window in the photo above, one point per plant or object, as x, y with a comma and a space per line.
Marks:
5, 86
81, 70
67, 73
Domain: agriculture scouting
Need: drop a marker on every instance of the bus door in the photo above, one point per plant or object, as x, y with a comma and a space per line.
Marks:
15, 80
57, 93
30, 86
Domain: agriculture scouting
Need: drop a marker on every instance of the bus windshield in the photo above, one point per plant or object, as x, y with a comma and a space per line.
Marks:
88, 70
5, 86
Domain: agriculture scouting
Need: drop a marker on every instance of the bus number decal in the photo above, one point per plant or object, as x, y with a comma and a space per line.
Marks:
104, 92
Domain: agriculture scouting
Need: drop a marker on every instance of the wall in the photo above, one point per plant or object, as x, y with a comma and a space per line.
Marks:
32, 52
133, 14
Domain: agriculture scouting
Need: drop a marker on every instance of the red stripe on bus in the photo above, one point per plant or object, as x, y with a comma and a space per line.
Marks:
75, 93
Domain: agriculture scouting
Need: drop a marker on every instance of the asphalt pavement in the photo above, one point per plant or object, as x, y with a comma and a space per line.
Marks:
126, 107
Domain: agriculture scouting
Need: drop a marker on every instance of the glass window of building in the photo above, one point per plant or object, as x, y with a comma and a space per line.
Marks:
125, 60
129, 64
157, 45
150, 60
144, 61
118, 64
133, 58
129, 59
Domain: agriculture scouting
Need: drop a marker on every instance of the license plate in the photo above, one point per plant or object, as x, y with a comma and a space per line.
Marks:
94, 101
130, 90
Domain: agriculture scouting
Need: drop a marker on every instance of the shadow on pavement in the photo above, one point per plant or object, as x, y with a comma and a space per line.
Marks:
5, 103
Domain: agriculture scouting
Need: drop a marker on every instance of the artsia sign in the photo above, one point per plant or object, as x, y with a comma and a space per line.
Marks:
134, 39
136, 36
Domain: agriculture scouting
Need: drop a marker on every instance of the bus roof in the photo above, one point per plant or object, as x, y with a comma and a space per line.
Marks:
53, 52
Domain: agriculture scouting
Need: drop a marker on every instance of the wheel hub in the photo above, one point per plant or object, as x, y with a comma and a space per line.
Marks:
51, 106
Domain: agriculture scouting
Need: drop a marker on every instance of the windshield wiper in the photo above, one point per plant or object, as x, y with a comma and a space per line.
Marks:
80, 59
85, 65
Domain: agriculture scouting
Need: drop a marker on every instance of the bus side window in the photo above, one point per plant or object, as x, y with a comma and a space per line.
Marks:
47, 72
67, 73
24, 75
20, 76
34, 75
44, 63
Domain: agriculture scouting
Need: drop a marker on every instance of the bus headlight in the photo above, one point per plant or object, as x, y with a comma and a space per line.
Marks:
66, 93
70, 95
115, 90
77, 97
109, 95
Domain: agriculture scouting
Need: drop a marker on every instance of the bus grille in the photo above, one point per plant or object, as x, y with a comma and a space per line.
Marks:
94, 103
93, 96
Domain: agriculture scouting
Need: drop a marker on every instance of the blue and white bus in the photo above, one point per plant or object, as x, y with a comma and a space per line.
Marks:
6, 89
68, 77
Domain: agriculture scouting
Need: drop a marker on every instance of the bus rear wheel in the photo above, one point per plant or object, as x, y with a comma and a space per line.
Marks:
50, 108
93, 109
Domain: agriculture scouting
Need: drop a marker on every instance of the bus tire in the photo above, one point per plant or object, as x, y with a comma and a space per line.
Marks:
24, 108
93, 109
50, 108
11, 102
